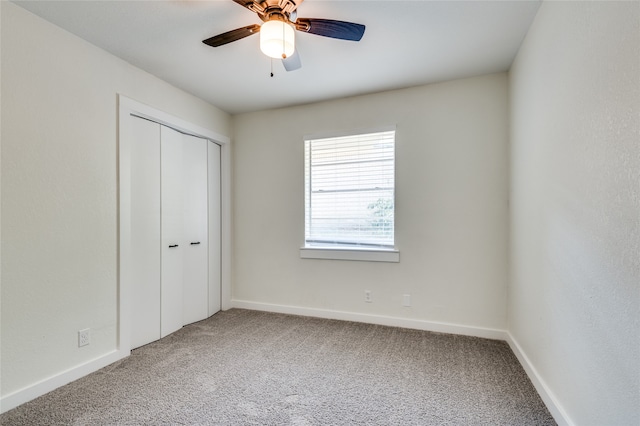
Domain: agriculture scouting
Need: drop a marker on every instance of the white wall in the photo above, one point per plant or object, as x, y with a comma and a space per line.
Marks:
59, 192
451, 207
574, 294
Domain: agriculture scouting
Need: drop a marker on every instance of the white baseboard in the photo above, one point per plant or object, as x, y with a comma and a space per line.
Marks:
38, 389
559, 414
440, 327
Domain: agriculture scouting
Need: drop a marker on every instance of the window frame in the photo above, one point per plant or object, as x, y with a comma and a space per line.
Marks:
355, 253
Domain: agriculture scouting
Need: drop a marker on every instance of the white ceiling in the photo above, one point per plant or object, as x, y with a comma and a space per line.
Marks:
406, 43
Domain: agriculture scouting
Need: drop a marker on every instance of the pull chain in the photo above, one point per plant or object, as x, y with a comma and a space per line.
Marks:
284, 56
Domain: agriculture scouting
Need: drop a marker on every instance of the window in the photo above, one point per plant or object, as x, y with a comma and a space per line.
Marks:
349, 196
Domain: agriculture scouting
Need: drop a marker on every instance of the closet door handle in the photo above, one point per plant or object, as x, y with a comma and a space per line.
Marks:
196, 243
174, 245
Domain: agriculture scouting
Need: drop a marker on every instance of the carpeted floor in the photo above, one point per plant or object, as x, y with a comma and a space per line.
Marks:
244, 367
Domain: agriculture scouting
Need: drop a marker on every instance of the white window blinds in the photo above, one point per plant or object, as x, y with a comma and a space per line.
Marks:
349, 191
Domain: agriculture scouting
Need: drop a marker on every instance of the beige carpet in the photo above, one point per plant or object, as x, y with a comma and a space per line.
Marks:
244, 367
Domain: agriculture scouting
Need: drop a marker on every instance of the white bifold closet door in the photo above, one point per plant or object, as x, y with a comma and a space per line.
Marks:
175, 221
172, 183
195, 290
145, 232
215, 227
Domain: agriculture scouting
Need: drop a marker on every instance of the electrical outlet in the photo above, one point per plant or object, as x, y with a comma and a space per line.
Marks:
84, 337
406, 300
367, 296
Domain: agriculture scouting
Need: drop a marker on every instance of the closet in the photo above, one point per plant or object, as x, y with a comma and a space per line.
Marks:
175, 230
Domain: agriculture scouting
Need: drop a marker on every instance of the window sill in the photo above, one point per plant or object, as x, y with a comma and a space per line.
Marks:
350, 254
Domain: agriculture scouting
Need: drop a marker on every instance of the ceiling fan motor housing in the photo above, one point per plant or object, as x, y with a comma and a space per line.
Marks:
266, 9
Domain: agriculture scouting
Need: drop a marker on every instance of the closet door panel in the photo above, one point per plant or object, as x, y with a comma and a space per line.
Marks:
195, 275
145, 232
215, 226
173, 243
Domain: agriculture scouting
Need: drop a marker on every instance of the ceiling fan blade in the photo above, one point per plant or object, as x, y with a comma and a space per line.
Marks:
292, 63
331, 28
232, 35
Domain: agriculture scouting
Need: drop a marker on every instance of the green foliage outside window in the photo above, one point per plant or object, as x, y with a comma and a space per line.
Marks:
382, 211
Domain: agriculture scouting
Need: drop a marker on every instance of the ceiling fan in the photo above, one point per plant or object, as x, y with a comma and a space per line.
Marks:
277, 35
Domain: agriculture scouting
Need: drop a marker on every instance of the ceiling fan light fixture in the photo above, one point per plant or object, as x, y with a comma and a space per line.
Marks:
277, 39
